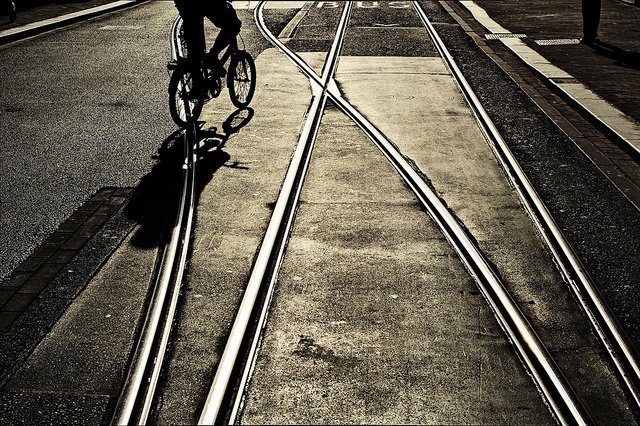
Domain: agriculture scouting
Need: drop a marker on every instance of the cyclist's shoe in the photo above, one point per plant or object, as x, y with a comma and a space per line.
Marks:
198, 89
219, 70
213, 63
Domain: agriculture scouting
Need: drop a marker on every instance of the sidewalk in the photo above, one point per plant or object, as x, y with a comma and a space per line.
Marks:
38, 16
602, 79
34, 11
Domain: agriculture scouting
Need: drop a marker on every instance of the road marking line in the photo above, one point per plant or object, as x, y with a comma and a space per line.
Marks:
41, 26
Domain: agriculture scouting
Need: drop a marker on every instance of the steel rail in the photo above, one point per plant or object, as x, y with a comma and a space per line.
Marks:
558, 393
273, 244
330, 67
619, 348
176, 46
566, 406
136, 398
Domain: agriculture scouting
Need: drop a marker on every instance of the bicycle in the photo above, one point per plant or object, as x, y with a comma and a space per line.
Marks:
185, 107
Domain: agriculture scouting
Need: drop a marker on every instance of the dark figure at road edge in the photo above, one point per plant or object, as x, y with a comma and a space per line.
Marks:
222, 15
590, 21
12, 11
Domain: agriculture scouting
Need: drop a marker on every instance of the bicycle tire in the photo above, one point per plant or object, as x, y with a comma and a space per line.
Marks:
241, 78
180, 86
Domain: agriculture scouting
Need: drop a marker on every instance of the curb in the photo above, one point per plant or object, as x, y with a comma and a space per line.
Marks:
622, 129
24, 31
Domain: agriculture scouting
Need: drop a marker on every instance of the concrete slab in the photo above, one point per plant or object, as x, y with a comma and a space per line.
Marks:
616, 120
374, 319
481, 16
440, 135
534, 59
87, 351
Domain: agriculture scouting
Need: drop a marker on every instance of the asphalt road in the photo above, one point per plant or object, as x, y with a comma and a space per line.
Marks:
82, 108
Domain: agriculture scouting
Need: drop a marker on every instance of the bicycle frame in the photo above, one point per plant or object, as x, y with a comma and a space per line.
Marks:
185, 105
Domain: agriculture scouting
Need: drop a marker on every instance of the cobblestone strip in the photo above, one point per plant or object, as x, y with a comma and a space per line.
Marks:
34, 274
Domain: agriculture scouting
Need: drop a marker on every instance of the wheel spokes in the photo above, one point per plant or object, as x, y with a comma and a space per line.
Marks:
242, 80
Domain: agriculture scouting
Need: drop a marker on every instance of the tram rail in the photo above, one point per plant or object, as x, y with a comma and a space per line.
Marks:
225, 398
558, 392
621, 352
272, 247
136, 399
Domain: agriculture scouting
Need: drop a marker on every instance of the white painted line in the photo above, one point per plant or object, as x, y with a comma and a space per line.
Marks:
287, 32
57, 21
625, 127
269, 5
121, 27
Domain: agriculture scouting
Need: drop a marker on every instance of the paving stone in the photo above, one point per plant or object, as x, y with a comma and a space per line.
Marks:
7, 318
34, 285
17, 279
5, 294
62, 256
18, 302
75, 243
31, 264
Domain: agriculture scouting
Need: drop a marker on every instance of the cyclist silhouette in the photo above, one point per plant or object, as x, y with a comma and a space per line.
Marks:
222, 14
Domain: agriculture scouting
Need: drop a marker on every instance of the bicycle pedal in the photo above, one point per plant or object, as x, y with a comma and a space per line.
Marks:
172, 65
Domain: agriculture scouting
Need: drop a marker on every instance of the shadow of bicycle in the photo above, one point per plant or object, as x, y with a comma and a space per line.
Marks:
153, 202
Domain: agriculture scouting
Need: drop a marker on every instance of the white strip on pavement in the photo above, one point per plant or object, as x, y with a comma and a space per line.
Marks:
239, 4
618, 122
45, 24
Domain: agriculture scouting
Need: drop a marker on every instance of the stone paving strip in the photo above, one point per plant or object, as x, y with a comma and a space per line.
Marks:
620, 124
43, 287
35, 273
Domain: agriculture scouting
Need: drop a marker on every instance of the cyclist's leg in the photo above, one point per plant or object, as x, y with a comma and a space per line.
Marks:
194, 36
224, 17
224, 39
195, 39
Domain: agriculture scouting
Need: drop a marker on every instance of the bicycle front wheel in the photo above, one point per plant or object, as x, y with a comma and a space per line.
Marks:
241, 78
183, 106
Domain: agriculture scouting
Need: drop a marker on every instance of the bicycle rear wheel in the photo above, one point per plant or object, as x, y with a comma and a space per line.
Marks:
241, 78
183, 107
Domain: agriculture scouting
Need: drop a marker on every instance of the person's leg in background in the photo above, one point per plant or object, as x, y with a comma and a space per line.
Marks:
590, 20
12, 11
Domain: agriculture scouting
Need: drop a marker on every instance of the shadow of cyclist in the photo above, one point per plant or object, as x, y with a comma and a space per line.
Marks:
212, 143
153, 202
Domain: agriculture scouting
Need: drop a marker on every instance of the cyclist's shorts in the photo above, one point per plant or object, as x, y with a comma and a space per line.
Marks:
223, 15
